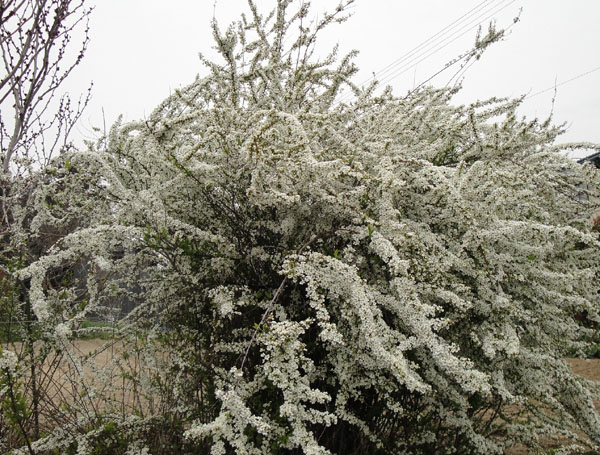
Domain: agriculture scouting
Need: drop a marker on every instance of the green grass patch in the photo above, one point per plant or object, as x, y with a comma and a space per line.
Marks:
95, 329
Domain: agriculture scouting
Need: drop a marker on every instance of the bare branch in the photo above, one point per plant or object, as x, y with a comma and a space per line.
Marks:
35, 52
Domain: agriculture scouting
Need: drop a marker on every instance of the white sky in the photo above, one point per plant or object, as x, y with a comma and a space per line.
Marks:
142, 49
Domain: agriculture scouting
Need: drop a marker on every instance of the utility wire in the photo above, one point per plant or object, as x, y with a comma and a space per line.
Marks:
443, 45
563, 82
425, 43
443, 36
418, 48
465, 57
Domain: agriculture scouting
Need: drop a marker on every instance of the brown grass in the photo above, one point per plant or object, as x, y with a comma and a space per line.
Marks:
109, 370
119, 392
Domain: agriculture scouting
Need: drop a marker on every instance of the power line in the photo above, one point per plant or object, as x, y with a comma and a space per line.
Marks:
563, 83
440, 39
464, 57
427, 41
417, 49
443, 45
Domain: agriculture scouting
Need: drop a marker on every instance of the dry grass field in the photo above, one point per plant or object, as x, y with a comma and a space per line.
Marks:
111, 374
108, 368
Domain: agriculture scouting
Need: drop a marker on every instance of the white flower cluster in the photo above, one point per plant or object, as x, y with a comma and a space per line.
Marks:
8, 361
231, 423
393, 275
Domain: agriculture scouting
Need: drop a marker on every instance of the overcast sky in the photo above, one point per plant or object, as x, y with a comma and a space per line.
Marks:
140, 50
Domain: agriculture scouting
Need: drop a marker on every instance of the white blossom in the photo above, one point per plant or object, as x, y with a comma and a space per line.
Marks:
391, 274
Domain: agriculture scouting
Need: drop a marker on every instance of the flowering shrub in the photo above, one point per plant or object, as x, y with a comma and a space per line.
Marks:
393, 275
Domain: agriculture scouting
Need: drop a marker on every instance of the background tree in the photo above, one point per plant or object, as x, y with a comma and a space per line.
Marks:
35, 45
37, 54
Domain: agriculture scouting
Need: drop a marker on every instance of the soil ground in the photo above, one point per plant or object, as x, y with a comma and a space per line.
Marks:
586, 368
589, 369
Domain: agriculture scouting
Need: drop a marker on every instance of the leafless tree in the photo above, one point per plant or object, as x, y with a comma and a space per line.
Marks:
41, 42
37, 56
